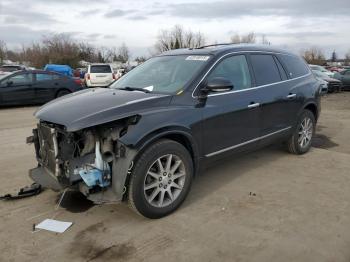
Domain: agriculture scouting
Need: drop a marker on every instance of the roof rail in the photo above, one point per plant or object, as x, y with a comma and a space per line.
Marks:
204, 46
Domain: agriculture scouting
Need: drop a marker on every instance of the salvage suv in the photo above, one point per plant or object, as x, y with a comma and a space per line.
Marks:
146, 137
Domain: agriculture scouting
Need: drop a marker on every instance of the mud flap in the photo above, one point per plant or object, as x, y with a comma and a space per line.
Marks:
44, 177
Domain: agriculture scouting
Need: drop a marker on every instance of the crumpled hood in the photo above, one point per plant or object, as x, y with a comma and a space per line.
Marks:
91, 107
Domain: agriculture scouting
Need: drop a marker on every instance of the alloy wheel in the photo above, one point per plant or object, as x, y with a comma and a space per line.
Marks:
305, 132
164, 180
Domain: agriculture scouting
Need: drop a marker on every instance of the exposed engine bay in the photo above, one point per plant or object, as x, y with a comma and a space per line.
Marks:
88, 160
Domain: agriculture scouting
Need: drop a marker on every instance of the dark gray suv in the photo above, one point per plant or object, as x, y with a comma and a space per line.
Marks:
146, 137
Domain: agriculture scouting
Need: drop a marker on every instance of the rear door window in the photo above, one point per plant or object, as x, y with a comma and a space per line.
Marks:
295, 66
100, 69
234, 68
281, 69
43, 77
265, 69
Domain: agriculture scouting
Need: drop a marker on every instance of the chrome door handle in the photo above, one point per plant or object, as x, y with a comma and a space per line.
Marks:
291, 95
254, 105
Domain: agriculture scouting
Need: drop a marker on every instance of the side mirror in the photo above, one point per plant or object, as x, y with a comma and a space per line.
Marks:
218, 84
9, 83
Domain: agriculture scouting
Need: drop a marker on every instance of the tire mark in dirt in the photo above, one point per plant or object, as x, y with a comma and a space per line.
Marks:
87, 247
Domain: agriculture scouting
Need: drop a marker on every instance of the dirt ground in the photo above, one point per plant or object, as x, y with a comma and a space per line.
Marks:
264, 206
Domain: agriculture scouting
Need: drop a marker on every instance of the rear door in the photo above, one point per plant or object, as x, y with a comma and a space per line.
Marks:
275, 94
18, 89
45, 87
101, 75
231, 120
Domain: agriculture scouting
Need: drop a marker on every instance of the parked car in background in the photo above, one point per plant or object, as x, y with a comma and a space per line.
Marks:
11, 68
62, 69
321, 69
147, 136
119, 73
323, 85
99, 75
82, 72
344, 77
35, 87
334, 85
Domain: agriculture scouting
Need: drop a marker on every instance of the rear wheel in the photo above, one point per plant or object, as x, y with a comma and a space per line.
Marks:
300, 141
62, 93
161, 179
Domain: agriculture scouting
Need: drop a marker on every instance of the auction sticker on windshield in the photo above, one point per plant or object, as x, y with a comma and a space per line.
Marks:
197, 58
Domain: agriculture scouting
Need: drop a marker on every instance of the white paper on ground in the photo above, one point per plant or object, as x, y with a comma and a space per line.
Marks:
54, 225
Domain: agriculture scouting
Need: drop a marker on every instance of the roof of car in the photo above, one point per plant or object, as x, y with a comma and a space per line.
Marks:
224, 48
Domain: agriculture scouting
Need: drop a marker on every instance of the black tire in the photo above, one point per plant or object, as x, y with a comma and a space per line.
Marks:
293, 143
136, 192
62, 93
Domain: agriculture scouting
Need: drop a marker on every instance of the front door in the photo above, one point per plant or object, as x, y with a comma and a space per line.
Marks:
17, 89
231, 120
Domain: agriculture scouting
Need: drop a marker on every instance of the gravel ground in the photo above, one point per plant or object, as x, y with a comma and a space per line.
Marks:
264, 206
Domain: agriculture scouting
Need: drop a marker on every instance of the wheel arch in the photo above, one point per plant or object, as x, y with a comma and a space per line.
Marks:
177, 135
62, 89
313, 108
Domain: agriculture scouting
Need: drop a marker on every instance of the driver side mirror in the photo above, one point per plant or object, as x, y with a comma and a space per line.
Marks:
9, 83
218, 84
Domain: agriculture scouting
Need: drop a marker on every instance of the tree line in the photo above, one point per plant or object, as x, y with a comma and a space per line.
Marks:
63, 49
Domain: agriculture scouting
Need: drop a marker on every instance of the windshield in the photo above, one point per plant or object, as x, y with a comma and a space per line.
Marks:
319, 74
100, 69
164, 74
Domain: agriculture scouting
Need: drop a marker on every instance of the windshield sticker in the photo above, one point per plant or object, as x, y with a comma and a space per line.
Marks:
149, 88
197, 58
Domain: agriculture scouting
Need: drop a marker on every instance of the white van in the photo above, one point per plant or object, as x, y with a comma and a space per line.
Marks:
99, 75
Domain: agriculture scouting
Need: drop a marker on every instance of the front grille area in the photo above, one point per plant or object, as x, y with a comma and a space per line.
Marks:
46, 154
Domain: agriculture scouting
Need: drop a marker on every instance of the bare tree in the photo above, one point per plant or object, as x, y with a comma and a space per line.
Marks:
249, 38
334, 57
3, 51
314, 55
176, 38
264, 40
123, 53
347, 58
140, 59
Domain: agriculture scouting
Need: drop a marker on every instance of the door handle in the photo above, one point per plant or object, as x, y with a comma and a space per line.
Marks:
253, 105
291, 95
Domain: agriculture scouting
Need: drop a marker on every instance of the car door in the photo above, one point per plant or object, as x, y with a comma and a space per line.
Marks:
17, 89
275, 94
231, 120
345, 78
45, 86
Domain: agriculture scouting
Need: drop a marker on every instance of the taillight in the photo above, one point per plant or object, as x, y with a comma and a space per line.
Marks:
78, 81
88, 76
113, 76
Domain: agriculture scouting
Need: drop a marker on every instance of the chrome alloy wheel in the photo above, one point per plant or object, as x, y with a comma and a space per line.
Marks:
305, 132
164, 180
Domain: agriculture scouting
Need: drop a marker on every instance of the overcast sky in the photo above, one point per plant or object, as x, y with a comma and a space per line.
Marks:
292, 24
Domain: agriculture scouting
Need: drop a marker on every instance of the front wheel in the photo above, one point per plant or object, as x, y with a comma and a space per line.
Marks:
161, 179
300, 141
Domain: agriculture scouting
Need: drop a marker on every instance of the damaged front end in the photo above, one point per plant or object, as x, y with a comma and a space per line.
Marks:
92, 160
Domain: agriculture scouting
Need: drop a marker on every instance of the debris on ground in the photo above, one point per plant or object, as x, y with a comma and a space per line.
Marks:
27, 191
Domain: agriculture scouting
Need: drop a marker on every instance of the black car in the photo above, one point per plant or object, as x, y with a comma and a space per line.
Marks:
146, 137
35, 87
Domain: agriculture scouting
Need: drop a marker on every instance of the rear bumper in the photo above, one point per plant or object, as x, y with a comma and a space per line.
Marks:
89, 84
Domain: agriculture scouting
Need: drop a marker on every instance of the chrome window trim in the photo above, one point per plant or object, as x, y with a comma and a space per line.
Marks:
251, 88
247, 142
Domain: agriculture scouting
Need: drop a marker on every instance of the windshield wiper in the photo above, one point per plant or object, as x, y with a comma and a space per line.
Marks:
129, 88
